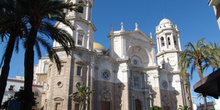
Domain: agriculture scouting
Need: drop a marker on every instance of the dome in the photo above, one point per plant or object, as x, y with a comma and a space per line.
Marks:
165, 21
97, 46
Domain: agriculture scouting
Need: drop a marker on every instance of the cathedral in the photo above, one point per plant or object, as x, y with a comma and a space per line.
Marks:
127, 76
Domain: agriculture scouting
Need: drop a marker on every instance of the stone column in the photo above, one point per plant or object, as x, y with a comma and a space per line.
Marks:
125, 93
156, 88
179, 42
165, 41
172, 41
158, 45
90, 14
87, 11
88, 39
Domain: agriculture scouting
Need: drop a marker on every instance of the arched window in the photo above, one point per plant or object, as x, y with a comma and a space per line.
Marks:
162, 41
168, 40
58, 103
79, 71
80, 8
174, 38
76, 106
137, 104
80, 37
136, 82
46, 65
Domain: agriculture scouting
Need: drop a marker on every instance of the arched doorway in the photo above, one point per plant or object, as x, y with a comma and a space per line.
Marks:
137, 104
105, 105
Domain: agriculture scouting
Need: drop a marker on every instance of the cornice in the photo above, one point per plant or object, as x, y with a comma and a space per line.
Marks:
168, 51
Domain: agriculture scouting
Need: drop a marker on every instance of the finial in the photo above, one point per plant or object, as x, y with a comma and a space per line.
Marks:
176, 27
136, 26
150, 35
111, 28
122, 26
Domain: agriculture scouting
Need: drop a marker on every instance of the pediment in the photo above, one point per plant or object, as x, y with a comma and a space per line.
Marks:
139, 35
58, 99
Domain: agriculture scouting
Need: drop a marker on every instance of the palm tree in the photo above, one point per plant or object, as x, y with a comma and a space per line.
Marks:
41, 14
194, 57
82, 94
200, 96
214, 55
12, 26
185, 107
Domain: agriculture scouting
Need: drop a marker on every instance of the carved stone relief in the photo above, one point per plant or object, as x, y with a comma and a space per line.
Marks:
105, 95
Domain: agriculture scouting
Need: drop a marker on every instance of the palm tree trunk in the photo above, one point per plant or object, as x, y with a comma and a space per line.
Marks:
29, 56
200, 71
29, 65
205, 103
6, 66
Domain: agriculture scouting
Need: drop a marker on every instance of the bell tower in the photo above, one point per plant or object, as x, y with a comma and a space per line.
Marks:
81, 19
84, 11
168, 45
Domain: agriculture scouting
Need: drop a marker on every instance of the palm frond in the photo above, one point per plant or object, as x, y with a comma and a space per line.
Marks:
59, 35
37, 46
17, 45
51, 52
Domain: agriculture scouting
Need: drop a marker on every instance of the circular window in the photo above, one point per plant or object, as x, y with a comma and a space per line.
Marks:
135, 62
106, 75
59, 84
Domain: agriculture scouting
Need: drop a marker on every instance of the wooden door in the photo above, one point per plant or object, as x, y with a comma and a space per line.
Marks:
166, 108
137, 104
105, 105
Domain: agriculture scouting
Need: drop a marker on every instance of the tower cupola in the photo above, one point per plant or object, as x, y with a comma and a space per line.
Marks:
167, 36
168, 45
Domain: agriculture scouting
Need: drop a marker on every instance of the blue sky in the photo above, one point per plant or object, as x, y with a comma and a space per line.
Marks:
194, 18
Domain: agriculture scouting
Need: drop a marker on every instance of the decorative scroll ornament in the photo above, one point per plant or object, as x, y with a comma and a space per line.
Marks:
106, 95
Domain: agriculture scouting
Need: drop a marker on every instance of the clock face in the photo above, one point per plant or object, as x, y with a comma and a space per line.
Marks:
172, 63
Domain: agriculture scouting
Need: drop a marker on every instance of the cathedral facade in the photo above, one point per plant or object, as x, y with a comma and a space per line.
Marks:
127, 76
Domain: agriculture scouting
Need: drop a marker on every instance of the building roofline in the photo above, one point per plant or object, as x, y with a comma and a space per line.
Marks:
22, 81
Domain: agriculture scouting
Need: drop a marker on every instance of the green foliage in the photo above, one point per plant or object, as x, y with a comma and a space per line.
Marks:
198, 57
13, 26
213, 50
37, 18
155, 108
82, 95
185, 107
193, 57
19, 96
200, 96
